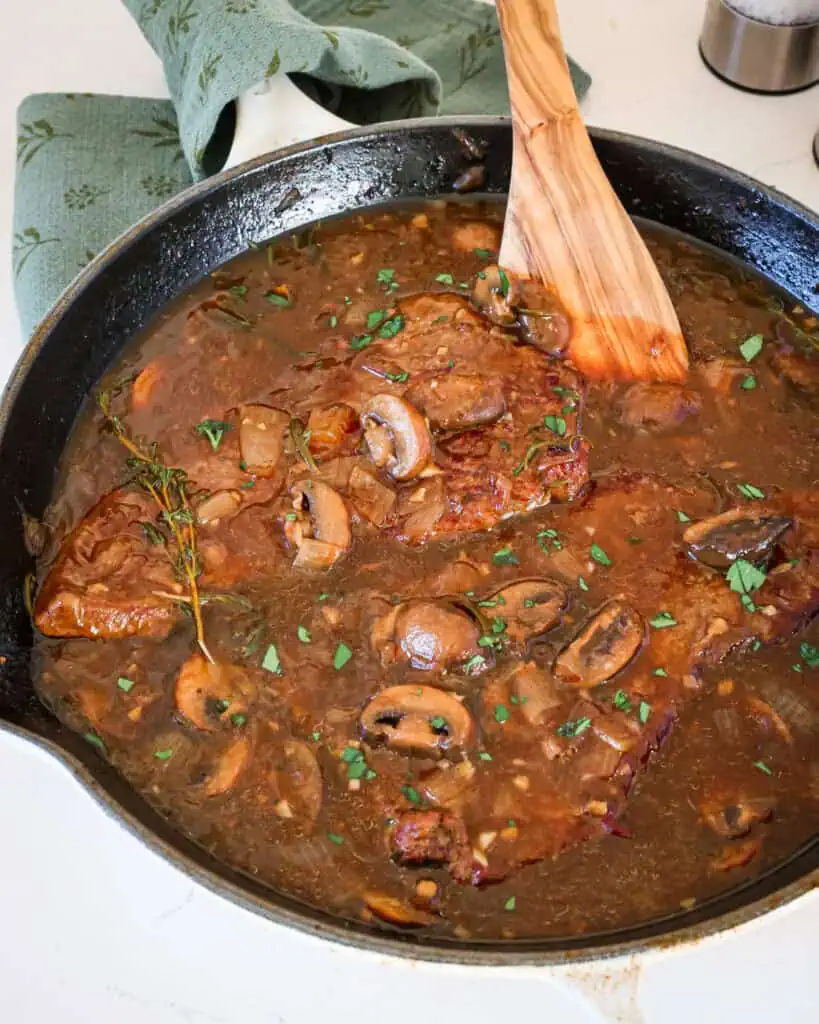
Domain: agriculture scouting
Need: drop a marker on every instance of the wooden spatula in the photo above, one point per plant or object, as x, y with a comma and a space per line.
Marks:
565, 226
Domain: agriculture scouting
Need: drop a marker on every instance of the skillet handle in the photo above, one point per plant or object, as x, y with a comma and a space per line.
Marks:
276, 113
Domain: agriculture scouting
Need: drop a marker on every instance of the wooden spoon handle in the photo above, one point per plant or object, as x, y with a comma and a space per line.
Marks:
564, 224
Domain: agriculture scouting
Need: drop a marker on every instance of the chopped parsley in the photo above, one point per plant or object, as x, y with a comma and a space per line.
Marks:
357, 767
270, 661
397, 378
342, 656
573, 727
483, 254
360, 341
659, 672
682, 517
213, 430
663, 620
556, 424
323, 597
635, 540
411, 794
484, 755
531, 451
375, 318
386, 276
510, 904
315, 735
277, 299
334, 837
749, 383
751, 347
501, 713
809, 654
549, 538
643, 712
125, 684
95, 741
475, 664
238, 719
238, 291
622, 702
582, 583
304, 634
504, 280
163, 755
505, 556
763, 767
599, 555
751, 492
745, 579
391, 327
444, 278
332, 320
438, 722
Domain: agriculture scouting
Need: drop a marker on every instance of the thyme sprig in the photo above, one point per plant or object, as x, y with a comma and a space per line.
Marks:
167, 486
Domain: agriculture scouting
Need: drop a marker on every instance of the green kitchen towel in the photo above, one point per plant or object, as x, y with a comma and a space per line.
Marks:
91, 166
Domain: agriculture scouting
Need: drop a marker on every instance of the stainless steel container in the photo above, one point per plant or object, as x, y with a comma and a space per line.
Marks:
756, 55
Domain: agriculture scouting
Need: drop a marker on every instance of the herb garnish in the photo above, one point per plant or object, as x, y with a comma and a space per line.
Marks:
582, 583
531, 451
444, 278
375, 318
238, 291
751, 347
622, 702
152, 533
484, 755
386, 276
643, 712
238, 719
271, 661
334, 837
163, 755
510, 904
505, 556
125, 684
745, 579
397, 378
763, 767
277, 299
599, 555
751, 492
749, 383
342, 656
360, 341
553, 538
682, 517
573, 727
663, 620
303, 634
438, 722
659, 672
391, 327
501, 713
167, 486
809, 654
95, 741
475, 664
504, 280
332, 320
556, 424
482, 254
411, 794
357, 767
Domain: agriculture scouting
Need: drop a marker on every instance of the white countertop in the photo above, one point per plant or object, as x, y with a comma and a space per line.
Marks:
94, 927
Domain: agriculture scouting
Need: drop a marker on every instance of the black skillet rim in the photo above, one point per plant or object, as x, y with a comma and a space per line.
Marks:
775, 887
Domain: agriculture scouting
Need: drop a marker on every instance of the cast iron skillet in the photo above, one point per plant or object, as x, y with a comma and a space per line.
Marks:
207, 225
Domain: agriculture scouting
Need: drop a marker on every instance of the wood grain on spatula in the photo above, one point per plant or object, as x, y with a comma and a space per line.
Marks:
564, 224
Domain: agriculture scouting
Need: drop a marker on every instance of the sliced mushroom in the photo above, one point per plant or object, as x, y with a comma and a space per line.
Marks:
736, 819
738, 533
737, 855
430, 635
455, 401
229, 766
397, 436
296, 783
372, 499
330, 426
491, 296
396, 911
529, 607
208, 693
218, 506
604, 646
321, 530
420, 720
262, 431
549, 332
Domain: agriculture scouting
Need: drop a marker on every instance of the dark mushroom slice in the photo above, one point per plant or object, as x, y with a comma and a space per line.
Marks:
430, 635
529, 607
492, 296
207, 693
396, 435
738, 533
456, 401
551, 332
603, 647
420, 720
736, 818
